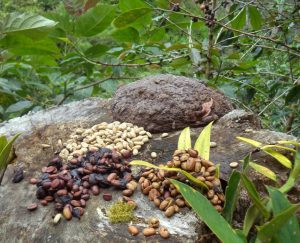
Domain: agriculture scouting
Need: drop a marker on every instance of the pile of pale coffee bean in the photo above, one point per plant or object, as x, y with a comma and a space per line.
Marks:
125, 137
156, 184
70, 185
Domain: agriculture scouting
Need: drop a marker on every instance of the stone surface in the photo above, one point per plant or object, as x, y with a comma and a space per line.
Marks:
167, 102
46, 127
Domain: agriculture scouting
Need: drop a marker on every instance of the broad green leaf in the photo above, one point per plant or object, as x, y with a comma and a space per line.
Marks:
95, 20
278, 147
4, 154
239, 21
263, 170
202, 144
23, 45
266, 232
26, 23
290, 230
19, 106
188, 175
255, 17
184, 140
130, 17
250, 141
126, 5
253, 194
96, 50
279, 157
231, 194
207, 213
289, 142
251, 215
126, 35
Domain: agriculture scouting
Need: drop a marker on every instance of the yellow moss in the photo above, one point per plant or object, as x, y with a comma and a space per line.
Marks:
120, 212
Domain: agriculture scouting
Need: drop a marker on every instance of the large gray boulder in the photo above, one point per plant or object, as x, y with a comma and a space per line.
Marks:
46, 127
167, 102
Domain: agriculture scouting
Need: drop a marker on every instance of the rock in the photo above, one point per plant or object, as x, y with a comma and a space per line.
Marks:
58, 123
167, 102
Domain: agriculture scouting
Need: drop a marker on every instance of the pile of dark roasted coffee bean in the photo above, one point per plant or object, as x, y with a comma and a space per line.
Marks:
70, 185
156, 184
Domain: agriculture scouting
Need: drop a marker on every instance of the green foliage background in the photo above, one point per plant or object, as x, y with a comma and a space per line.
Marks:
250, 52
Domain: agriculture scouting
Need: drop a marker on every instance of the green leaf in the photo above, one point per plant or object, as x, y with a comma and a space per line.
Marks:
250, 141
26, 23
266, 232
188, 175
293, 96
208, 213
250, 217
19, 106
217, 173
130, 17
278, 147
239, 21
263, 170
4, 154
126, 35
289, 142
3, 142
255, 17
231, 194
126, 5
253, 194
95, 20
23, 45
202, 144
278, 156
96, 50
184, 140
290, 230
294, 175
246, 162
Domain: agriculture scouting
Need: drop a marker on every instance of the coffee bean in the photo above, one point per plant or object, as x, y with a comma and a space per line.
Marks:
55, 183
149, 231
95, 190
127, 192
62, 192
67, 212
33, 181
133, 230
32, 207
107, 197
170, 211
164, 233
57, 218
44, 202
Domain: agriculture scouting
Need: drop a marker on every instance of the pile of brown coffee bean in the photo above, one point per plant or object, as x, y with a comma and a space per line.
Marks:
152, 229
156, 184
70, 185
